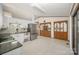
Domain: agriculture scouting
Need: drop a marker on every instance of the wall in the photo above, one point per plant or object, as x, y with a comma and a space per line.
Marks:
1, 16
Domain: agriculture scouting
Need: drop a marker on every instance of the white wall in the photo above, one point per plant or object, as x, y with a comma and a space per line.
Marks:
1, 16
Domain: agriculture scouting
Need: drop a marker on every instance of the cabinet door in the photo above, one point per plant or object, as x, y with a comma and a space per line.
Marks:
1, 16
55, 27
65, 27
41, 27
49, 27
61, 30
19, 37
61, 27
58, 26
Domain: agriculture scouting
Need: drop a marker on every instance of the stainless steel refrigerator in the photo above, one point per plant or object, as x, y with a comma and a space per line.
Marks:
33, 31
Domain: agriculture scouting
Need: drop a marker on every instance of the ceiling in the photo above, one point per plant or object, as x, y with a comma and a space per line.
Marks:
28, 10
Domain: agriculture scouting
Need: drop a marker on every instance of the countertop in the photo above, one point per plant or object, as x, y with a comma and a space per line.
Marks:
12, 33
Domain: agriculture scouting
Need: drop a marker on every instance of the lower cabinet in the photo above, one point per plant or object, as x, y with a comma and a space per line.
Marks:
19, 37
61, 30
45, 33
61, 35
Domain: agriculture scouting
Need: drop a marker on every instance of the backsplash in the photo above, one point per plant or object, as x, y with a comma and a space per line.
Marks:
13, 29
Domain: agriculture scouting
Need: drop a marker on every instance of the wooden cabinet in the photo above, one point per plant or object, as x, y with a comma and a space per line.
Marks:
45, 29
1, 16
45, 33
61, 30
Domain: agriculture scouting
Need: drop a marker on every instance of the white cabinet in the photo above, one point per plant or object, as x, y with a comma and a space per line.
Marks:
19, 37
1, 16
6, 19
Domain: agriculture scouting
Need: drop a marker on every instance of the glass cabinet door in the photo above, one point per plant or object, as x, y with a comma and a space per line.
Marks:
58, 27
61, 27
41, 27
49, 27
55, 25
65, 27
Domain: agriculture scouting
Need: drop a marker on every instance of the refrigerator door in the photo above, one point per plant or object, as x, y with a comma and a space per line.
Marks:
33, 36
32, 28
33, 31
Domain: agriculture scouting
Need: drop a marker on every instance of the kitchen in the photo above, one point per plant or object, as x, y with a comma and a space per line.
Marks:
22, 23
14, 31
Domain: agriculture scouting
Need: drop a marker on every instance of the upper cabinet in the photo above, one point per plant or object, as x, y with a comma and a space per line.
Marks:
61, 30
6, 19
65, 27
60, 26
45, 26
45, 29
1, 16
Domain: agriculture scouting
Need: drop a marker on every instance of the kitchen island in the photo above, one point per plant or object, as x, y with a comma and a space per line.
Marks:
10, 41
8, 44
20, 37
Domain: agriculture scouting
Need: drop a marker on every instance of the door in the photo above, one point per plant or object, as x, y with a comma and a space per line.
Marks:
75, 44
75, 30
78, 31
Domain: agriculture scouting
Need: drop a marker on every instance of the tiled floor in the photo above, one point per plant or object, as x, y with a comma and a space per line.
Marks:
43, 46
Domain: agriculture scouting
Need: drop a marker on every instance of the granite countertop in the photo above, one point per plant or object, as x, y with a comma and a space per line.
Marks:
18, 32
12, 32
